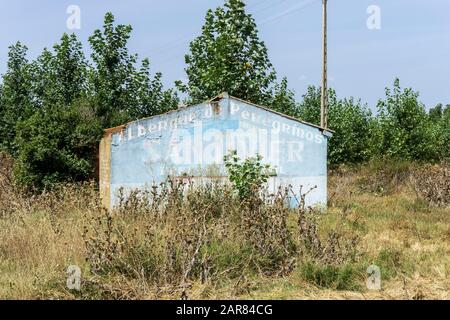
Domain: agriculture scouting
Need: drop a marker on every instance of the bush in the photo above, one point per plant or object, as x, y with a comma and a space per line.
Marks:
404, 130
401, 129
385, 176
248, 176
352, 123
432, 183
350, 120
177, 233
57, 144
188, 234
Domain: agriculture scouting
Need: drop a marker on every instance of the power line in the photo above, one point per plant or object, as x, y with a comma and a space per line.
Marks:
270, 6
186, 37
289, 11
283, 14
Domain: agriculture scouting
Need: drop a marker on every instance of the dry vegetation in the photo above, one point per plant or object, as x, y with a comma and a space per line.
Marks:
209, 244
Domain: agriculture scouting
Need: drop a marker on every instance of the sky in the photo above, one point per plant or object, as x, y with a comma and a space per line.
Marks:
411, 41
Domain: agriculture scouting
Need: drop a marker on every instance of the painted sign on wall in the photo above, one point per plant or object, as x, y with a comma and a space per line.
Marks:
194, 140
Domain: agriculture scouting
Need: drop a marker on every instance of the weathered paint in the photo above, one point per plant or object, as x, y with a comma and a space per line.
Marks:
105, 170
193, 141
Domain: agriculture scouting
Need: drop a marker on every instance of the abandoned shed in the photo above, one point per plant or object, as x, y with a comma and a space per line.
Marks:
193, 141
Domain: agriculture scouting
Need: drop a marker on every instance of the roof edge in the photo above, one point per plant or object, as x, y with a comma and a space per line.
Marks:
282, 114
119, 128
115, 129
223, 95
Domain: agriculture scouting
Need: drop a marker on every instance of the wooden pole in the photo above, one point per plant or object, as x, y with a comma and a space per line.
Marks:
324, 97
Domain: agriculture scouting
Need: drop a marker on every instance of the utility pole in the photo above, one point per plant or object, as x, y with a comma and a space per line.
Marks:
324, 98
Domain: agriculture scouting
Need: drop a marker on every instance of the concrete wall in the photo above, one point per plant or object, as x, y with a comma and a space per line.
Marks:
194, 140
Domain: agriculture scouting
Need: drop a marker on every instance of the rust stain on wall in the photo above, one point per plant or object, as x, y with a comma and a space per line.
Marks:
216, 107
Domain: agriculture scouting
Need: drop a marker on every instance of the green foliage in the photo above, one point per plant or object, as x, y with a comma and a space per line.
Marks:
57, 144
53, 110
121, 92
440, 118
404, 130
436, 113
60, 77
112, 78
151, 98
283, 99
309, 108
350, 120
229, 56
343, 277
247, 176
58, 141
401, 130
15, 101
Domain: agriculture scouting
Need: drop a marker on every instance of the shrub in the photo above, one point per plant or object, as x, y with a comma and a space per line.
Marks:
404, 130
57, 144
350, 120
384, 176
178, 233
248, 176
432, 183
336, 249
352, 123
189, 234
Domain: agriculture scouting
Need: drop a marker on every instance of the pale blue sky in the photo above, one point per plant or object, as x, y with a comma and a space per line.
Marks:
413, 43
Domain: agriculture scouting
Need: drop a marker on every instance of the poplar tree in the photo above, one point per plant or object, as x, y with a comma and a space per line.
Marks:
229, 56
15, 100
119, 90
58, 142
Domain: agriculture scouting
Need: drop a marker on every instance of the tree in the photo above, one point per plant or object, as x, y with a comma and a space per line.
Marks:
112, 78
121, 92
436, 113
350, 120
445, 125
229, 56
446, 112
440, 118
60, 77
58, 142
55, 145
70, 69
309, 108
15, 101
404, 129
73, 101
284, 99
151, 97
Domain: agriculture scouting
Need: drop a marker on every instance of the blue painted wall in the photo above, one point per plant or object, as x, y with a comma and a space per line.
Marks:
193, 140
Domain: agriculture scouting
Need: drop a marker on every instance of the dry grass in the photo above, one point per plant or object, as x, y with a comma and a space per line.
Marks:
210, 246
